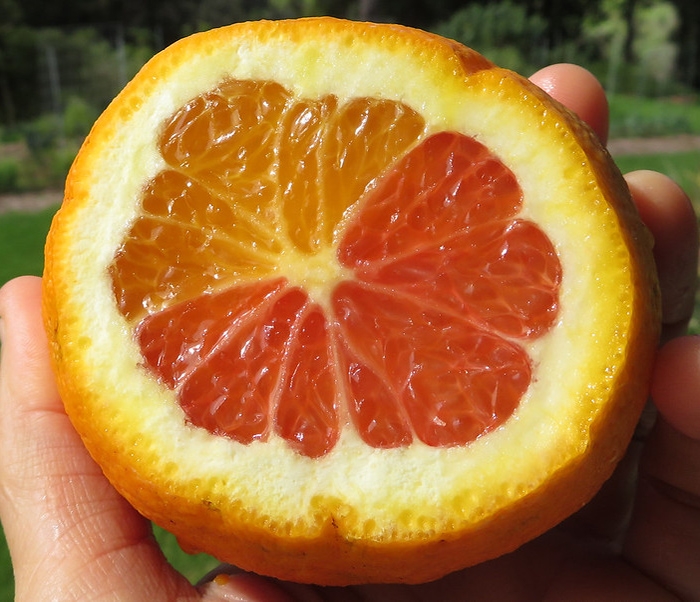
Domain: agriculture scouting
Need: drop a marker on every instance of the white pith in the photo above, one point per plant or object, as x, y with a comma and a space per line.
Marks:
439, 488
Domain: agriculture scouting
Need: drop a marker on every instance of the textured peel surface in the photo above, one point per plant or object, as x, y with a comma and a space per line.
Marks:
285, 370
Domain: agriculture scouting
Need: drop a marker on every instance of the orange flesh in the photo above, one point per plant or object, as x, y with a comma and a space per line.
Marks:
418, 340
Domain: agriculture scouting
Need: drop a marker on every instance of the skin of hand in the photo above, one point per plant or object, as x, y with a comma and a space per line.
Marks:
72, 536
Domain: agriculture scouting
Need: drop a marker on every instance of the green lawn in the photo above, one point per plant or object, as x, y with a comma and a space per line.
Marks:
22, 242
7, 589
21, 252
637, 116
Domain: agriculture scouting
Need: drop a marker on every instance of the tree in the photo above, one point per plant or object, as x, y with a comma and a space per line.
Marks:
503, 31
654, 46
689, 41
563, 20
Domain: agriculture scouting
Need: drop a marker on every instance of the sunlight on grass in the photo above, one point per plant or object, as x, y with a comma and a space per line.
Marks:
7, 584
635, 116
22, 238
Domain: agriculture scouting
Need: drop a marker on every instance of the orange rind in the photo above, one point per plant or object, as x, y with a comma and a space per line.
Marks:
341, 302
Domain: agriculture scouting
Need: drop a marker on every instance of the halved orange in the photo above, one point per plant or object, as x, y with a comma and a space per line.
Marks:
342, 302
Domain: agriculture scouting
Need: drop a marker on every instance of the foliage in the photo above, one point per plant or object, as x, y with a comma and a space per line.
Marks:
500, 31
56, 80
9, 174
78, 117
48, 66
46, 60
82, 63
18, 97
47, 170
42, 133
192, 566
653, 45
634, 116
646, 33
44, 160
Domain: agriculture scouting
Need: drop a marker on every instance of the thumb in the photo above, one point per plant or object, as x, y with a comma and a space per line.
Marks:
71, 535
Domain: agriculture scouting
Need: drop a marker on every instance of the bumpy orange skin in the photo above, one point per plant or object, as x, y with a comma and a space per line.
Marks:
329, 557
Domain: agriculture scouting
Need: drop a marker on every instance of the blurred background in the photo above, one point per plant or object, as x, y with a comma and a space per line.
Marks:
62, 62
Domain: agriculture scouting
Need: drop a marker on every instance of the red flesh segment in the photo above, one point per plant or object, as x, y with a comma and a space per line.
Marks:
442, 227
373, 404
448, 273
178, 340
308, 403
450, 380
222, 352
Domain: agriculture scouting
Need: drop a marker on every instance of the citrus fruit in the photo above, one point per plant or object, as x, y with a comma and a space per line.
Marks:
342, 302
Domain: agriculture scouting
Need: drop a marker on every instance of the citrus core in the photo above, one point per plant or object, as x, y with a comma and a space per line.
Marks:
342, 302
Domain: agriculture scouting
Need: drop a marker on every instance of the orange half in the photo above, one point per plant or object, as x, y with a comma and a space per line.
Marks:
341, 302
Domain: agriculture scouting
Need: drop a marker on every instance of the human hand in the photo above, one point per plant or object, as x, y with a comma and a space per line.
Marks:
72, 537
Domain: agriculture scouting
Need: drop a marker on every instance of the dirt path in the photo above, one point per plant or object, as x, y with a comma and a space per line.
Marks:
634, 146
650, 146
29, 201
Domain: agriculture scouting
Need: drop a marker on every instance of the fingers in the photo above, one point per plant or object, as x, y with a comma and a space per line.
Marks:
664, 537
676, 392
25, 342
577, 89
662, 204
70, 535
244, 587
669, 214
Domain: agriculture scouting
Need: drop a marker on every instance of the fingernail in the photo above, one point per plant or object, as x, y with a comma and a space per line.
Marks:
242, 587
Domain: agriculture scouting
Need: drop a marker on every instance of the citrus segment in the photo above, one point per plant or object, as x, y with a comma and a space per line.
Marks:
453, 380
342, 302
307, 412
442, 225
186, 241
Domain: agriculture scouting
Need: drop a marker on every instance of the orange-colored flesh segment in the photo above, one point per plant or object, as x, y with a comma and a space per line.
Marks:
417, 342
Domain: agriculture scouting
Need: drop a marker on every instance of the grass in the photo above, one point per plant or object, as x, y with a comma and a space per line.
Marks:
635, 116
22, 242
21, 252
7, 583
